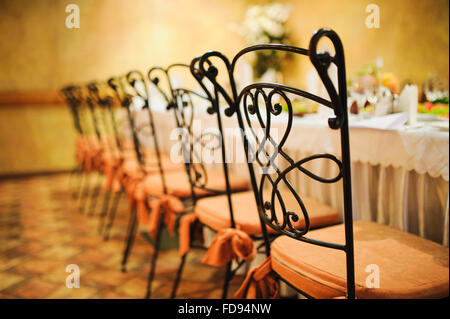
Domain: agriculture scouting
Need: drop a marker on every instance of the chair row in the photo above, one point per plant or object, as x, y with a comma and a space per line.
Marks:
306, 243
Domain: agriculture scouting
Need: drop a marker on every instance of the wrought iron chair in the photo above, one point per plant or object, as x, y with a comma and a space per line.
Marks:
329, 262
211, 213
88, 145
115, 149
100, 105
147, 161
74, 99
92, 148
224, 209
184, 188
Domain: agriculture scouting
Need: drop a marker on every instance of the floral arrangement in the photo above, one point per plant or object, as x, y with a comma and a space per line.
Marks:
266, 24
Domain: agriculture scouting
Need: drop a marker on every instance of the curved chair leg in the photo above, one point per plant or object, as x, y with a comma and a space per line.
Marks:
112, 215
104, 211
178, 277
129, 240
94, 195
151, 273
226, 281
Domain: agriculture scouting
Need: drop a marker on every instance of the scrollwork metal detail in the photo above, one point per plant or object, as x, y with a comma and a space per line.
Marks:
181, 101
258, 104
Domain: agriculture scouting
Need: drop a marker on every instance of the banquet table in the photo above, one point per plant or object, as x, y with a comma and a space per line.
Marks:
400, 177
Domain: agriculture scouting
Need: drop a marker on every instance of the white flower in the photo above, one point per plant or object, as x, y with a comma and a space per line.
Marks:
278, 11
273, 28
262, 22
253, 12
253, 27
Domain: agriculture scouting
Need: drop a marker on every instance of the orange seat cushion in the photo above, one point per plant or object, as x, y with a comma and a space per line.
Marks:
409, 266
214, 212
110, 155
178, 184
131, 165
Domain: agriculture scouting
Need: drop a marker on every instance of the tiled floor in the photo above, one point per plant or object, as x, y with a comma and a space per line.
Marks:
41, 233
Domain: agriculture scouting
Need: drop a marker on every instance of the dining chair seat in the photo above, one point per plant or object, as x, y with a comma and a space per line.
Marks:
408, 266
214, 212
178, 184
130, 153
131, 166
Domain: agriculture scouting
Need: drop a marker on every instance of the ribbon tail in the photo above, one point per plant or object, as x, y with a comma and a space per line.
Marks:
187, 228
260, 283
229, 244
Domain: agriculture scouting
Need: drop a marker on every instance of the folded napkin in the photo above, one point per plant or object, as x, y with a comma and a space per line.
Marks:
407, 102
386, 122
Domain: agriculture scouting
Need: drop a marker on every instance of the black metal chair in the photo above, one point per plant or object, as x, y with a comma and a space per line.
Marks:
100, 104
94, 144
195, 183
125, 99
74, 99
321, 263
87, 123
113, 152
245, 105
149, 160
222, 209
99, 126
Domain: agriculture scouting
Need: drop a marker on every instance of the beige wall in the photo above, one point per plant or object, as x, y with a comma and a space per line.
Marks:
35, 139
37, 51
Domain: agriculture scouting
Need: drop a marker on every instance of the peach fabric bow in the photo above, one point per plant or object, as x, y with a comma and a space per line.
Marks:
80, 150
260, 283
163, 204
188, 226
171, 206
112, 173
132, 185
88, 150
229, 244
83, 150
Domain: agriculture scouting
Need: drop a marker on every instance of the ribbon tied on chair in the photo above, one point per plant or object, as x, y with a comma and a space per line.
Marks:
229, 244
189, 227
88, 151
167, 207
260, 283
112, 171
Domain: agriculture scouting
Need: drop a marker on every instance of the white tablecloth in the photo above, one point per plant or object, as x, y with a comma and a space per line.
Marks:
399, 177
